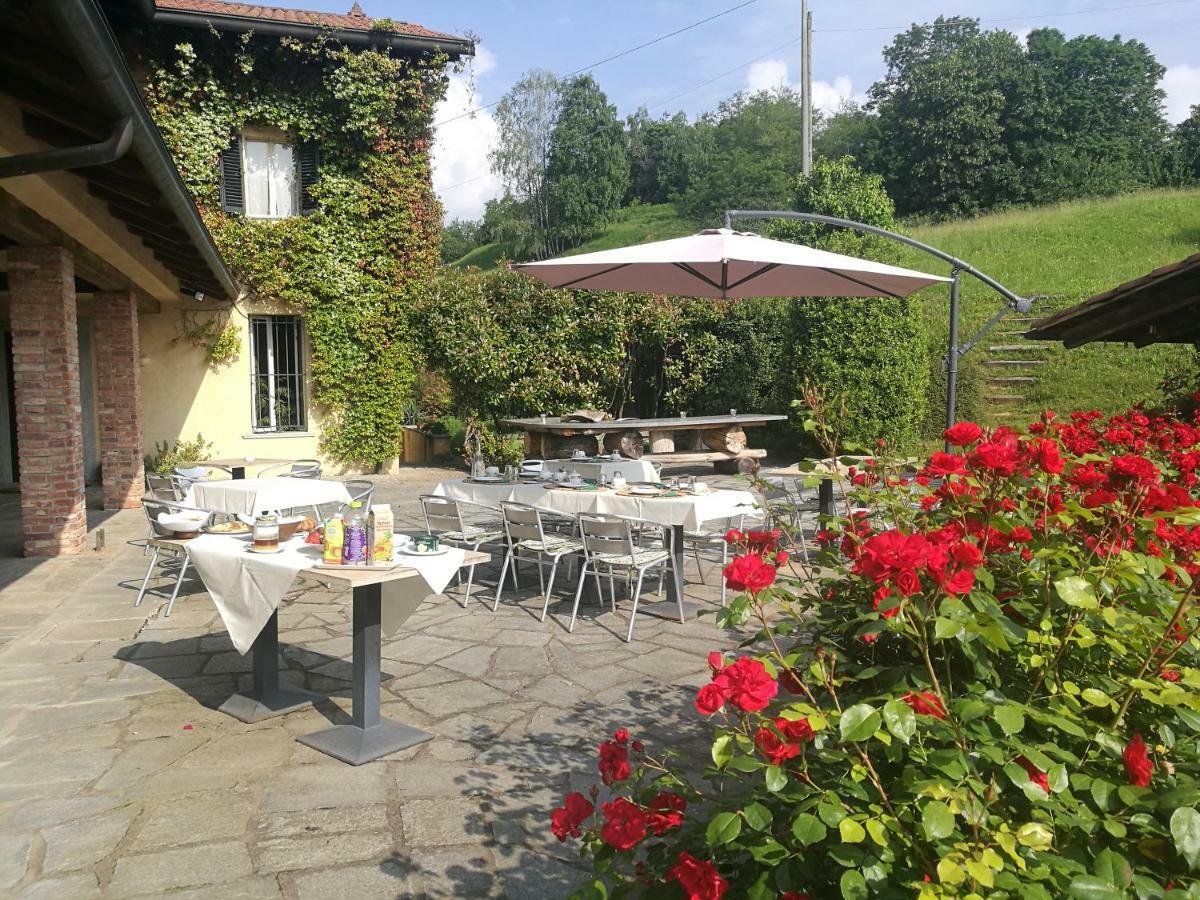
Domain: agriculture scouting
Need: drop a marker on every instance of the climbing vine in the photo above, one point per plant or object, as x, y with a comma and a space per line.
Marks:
351, 267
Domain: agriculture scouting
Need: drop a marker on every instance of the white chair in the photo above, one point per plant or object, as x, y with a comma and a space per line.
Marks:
162, 487
710, 538
178, 562
533, 467
528, 540
297, 468
444, 518
609, 546
186, 476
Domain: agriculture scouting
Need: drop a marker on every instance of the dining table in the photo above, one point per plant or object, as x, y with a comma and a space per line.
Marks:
247, 588
592, 467
251, 496
680, 511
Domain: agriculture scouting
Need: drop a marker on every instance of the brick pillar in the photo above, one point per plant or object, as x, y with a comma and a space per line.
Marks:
45, 339
119, 399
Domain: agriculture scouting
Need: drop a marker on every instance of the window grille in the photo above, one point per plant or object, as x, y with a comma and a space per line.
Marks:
277, 376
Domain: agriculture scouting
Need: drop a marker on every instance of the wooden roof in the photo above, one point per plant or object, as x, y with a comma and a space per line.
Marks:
1162, 306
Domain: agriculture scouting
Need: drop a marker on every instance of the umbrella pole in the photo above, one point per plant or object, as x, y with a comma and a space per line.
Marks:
952, 355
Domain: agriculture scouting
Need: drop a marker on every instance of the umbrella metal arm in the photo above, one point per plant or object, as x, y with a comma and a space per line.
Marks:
955, 351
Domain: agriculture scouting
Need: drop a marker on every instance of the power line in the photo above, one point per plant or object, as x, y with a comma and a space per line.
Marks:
615, 56
658, 105
1077, 12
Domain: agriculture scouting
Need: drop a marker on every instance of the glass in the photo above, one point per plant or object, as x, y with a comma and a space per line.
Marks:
691, 482
266, 533
603, 480
733, 412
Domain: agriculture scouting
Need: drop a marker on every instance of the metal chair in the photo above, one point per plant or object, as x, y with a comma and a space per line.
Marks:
609, 546
162, 487
186, 476
532, 467
710, 537
297, 468
179, 562
528, 540
444, 518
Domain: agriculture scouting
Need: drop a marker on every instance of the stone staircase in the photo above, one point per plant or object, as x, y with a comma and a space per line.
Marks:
1012, 364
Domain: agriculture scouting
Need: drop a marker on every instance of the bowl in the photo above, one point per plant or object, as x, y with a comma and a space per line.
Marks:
288, 526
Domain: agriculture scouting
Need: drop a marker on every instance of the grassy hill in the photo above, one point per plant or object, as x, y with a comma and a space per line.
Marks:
1063, 253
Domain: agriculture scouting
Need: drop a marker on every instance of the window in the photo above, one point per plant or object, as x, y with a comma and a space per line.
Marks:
269, 174
277, 377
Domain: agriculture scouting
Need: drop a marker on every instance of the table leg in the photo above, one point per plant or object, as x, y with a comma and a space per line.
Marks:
368, 736
267, 698
237, 472
669, 608
825, 497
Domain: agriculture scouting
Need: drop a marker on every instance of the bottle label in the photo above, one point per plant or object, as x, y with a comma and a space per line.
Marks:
355, 548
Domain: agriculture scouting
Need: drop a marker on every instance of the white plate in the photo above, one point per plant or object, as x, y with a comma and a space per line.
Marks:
256, 552
487, 479
645, 491
441, 551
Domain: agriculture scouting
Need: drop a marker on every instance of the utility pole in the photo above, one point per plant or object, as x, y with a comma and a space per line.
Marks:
805, 89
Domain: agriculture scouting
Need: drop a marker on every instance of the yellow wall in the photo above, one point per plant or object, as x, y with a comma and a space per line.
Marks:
183, 395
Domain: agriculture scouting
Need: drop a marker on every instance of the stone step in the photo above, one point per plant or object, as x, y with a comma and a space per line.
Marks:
1003, 398
1001, 348
1012, 379
1014, 362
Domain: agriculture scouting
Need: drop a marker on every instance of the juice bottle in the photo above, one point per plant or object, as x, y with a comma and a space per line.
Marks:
354, 551
335, 538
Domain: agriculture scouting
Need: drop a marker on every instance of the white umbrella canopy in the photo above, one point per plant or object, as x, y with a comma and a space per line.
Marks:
730, 265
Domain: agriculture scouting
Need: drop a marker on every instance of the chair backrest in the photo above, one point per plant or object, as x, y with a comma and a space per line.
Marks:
606, 534
305, 468
533, 465
441, 514
522, 522
161, 487
657, 467
360, 489
154, 507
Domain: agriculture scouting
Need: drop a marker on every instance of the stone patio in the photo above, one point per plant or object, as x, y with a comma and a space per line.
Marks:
118, 777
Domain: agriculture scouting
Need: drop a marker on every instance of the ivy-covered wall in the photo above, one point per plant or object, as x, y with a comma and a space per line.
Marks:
352, 266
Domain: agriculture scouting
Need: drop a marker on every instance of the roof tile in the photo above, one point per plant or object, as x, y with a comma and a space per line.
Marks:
353, 21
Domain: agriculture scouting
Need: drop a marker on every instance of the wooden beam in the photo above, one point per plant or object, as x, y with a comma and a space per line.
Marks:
29, 229
1124, 317
128, 188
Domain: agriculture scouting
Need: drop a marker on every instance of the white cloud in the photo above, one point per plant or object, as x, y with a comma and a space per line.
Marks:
1182, 84
462, 176
770, 74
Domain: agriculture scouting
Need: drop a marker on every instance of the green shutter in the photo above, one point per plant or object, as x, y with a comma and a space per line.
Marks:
233, 190
308, 165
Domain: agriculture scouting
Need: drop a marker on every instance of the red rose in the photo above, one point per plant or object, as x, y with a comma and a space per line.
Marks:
795, 731
1134, 468
621, 735
781, 559
614, 762
789, 680
746, 684
716, 662
733, 536
700, 880
762, 541
565, 820
999, 455
943, 464
1036, 775
966, 554
925, 703
962, 433
960, 582
749, 573
709, 700
1045, 453
624, 824
1169, 675
907, 583
1138, 765
665, 812
773, 748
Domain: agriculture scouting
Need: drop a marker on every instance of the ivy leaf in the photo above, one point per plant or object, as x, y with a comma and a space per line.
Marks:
854, 886
950, 872
723, 828
900, 719
859, 722
1101, 794
808, 829
1113, 868
757, 816
937, 820
1096, 697
776, 779
1185, 828
851, 831
1009, 718
1077, 591
878, 832
1089, 887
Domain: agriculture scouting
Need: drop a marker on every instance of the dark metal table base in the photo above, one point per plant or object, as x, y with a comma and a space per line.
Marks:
669, 609
267, 699
369, 736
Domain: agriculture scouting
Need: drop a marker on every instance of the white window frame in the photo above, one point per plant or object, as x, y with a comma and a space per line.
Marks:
269, 381
293, 207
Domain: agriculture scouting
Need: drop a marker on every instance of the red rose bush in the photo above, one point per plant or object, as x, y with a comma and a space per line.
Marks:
982, 684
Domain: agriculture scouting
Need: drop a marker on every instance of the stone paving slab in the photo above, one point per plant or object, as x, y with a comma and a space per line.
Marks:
120, 779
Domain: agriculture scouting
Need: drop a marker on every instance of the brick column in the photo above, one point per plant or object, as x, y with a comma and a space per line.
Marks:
45, 338
119, 398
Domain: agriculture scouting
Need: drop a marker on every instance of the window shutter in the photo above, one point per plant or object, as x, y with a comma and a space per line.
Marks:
233, 192
308, 164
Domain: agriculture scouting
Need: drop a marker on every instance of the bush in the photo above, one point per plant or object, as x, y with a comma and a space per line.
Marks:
167, 456
1000, 697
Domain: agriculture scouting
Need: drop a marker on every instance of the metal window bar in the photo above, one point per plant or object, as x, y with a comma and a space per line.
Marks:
277, 379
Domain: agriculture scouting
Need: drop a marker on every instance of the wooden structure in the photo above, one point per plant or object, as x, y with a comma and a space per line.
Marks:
720, 440
1160, 307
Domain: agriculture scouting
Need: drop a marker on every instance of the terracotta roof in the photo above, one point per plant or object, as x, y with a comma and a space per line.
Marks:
354, 20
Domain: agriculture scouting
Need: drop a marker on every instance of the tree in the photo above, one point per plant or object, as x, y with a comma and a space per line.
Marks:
459, 238
752, 154
525, 120
866, 353
663, 156
587, 173
850, 131
1185, 145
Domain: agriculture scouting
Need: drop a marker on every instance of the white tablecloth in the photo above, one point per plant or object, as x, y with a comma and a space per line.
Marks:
250, 496
632, 469
247, 587
687, 511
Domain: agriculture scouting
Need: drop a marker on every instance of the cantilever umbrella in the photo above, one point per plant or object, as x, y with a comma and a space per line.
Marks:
726, 264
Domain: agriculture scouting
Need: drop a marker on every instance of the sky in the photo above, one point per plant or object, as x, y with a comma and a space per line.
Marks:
753, 47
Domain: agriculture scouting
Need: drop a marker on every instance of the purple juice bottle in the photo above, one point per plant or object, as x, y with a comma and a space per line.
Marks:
354, 550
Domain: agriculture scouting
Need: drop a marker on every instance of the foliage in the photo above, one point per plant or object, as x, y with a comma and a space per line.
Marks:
664, 156
849, 131
219, 338
1185, 145
1000, 697
459, 238
871, 352
350, 266
587, 173
169, 455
